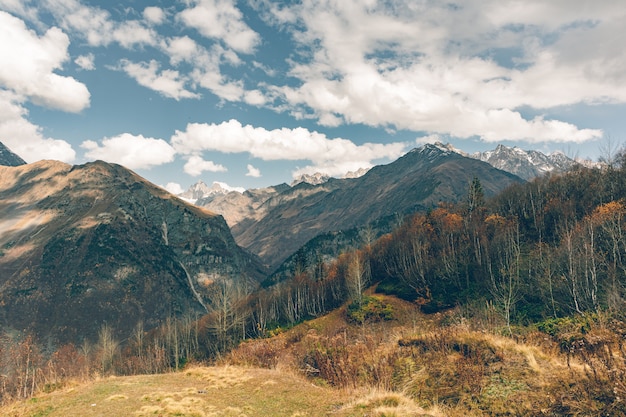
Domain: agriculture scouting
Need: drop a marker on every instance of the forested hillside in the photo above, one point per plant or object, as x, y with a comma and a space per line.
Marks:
548, 248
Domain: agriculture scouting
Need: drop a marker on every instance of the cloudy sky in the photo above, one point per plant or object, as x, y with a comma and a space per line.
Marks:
253, 92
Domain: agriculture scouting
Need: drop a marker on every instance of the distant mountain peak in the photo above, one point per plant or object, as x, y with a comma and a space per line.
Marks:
313, 179
525, 164
435, 150
201, 190
9, 158
356, 174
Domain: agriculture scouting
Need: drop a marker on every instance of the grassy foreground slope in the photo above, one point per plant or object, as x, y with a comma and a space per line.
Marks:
208, 392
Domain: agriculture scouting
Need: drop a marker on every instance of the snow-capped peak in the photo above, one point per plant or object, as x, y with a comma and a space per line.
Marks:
313, 179
201, 190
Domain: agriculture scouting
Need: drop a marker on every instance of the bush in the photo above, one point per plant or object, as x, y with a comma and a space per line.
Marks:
370, 309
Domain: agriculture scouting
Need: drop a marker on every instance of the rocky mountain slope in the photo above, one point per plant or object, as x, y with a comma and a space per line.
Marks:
291, 216
81, 246
8, 158
526, 164
235, 206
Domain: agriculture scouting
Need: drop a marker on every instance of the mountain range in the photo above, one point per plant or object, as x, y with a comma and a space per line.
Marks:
272, 223
81, 246
526, 164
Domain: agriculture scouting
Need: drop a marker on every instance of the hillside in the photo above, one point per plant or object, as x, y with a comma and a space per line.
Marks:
81, 246
404, 365
419, 180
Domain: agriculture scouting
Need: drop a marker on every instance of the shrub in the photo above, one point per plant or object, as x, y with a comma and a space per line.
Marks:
370, 309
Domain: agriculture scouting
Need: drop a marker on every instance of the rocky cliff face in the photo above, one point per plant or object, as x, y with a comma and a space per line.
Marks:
85, 245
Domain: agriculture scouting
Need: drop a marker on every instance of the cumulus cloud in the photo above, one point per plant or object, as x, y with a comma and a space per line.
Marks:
154, 15
167, 82
96, 25
221, 19
466, 71
253, 172
332, 156
174, 188
29, 62
25, 138
131, 151
86, 62
206, 69
180, 49
133, 32
19, 8
195, 166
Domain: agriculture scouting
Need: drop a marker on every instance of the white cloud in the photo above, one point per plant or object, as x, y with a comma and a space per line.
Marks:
132, 32
254, 98
134, 152
97, 27
29, 62
180, 49
168, 82
331, 156
174, 188
86, 62
154, 15
229, 187
19, 8
195, 166
206, 71
221, 19
463, 70
218, 85
253, 172
26, 139
92, 23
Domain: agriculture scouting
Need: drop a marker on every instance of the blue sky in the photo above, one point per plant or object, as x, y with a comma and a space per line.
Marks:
251, 93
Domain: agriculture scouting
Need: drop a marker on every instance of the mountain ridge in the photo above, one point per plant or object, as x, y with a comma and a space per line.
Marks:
96, 243
420, 179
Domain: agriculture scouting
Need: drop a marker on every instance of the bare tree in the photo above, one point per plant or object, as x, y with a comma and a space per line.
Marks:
505, 281
357, 276
107, 348
409, 259
225, 299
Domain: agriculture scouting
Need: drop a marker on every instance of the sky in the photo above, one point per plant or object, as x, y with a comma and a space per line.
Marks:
252, 93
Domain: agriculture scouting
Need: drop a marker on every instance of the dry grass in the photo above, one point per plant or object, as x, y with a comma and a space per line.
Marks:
443, 365
199, 392
379, 403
